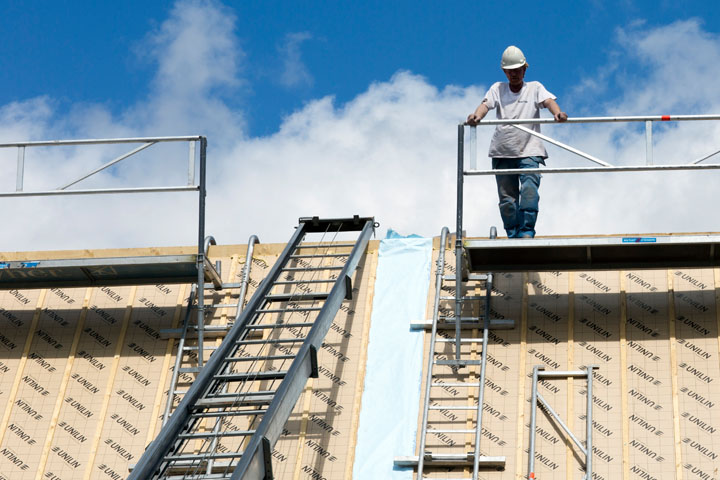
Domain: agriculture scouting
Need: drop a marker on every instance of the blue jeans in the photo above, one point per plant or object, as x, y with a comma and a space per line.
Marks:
518, 194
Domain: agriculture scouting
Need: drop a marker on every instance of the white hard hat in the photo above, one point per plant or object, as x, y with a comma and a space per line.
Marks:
512, 57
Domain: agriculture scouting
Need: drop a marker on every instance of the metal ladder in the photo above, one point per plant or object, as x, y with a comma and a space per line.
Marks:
432, 384
539, 373
191, 336
228, 422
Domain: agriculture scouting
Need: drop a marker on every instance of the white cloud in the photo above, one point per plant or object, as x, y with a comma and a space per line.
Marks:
389, 152
294, 72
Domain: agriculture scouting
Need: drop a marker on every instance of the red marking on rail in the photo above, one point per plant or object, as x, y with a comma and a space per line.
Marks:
532, 475
665, 118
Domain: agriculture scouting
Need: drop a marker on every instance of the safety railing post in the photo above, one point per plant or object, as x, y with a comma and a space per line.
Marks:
459, 238
201, 253
20, 169
648, 143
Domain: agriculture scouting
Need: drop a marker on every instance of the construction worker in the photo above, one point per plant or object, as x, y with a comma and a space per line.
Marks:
513, 148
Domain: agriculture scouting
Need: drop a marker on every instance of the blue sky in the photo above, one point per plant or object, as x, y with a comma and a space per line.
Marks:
368, 91
83, 51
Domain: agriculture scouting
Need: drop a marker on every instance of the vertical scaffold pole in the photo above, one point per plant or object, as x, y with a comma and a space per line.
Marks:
459, 238
201, 253
588, 423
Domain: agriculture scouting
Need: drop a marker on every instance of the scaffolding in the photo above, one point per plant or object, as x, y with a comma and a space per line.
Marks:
569, 254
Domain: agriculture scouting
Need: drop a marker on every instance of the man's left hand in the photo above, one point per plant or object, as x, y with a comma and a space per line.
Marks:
561, 117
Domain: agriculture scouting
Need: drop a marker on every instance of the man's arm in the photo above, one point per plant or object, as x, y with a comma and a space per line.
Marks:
552, 105
479, 113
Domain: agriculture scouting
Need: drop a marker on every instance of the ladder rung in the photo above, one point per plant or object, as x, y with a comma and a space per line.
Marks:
296, 282
462, 340
189, 370
452, 407
328, 245
224, 433
310, 269
445, 430
280, 325
260, 358
203, 456
270, 341
203, 476
472, 277
179, 470
194, 348
233, 413
241, 377
464, 299
452, 460
455, 384
459, 363
296, 297
322, 255
234, 402
230, 285
453, 320
217, 305
290, 310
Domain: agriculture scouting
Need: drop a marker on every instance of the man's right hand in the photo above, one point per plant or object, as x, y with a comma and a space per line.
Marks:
473, 119
479, 113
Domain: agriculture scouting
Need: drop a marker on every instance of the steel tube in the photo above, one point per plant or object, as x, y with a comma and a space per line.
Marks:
431, 356
246, 273
20, 169
648, 143
562, 145
533, 422
588, 423
702, 159
562, 374
99, 191
201, 252
109, 164
99, 141
632, 118
557, 418
458, 238
483, 368
473, 148
630, 168
191, 163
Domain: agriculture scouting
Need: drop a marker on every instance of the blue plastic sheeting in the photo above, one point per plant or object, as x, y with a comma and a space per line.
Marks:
391, 399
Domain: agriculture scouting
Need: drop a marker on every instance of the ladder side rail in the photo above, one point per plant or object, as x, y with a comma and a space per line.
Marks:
533, 423
588, 423
428, 376
167, 437
254, 464
483, 370
252, 241
245, 279
179, 356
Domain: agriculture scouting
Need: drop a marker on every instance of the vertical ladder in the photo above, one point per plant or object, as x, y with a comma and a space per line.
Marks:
191, 343
540, 373
432, 384
228, 422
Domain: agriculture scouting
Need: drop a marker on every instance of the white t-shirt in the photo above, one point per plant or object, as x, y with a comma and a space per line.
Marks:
508, 141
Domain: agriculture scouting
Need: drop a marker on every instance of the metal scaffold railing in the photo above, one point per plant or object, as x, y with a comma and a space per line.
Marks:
119, 270
567, 254
572, 254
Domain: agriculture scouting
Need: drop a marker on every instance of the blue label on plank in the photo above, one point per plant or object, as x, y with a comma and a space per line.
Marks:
639, 240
